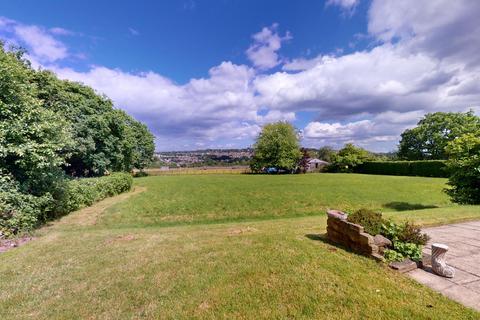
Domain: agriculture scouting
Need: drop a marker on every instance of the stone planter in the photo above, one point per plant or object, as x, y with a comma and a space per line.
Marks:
351, 235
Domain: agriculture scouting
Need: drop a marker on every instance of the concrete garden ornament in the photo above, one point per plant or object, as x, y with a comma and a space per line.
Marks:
439, 265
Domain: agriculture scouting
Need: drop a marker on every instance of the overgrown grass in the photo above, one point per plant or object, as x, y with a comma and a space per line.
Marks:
123, 265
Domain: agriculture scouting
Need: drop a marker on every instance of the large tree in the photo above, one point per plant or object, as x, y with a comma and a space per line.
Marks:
347, 158
34, 141
106, 139
427, 141
276, 146
464, 168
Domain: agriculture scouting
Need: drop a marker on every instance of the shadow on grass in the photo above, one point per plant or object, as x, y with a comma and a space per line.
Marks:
318, 237
405, 206
323, 238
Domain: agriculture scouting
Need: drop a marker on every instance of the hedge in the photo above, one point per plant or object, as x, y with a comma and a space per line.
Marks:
84, 192
423, 168
22, 212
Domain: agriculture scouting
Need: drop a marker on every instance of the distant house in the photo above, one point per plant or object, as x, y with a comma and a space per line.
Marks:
316, 165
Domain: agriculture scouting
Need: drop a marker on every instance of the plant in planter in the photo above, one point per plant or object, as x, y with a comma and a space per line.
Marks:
407, 241
371, 221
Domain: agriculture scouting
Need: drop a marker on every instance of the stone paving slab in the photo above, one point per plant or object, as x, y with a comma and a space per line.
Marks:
463, 240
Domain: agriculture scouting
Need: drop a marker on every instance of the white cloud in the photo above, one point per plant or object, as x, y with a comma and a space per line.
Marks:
379, 133
425, 59
41, 43
221, 106
445, 29
348, 6
43, 46
263, 52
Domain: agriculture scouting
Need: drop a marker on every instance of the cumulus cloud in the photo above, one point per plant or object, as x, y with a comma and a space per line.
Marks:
378, 133
385, 78
446, 29
219, 107
424, 59
42, 45
263, 52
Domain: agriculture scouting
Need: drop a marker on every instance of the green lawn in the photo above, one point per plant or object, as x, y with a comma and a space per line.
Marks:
125, 259
173, 200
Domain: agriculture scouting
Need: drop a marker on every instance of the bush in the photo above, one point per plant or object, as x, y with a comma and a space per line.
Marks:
84, 192
348, 158
371, 221
424, 168
392, 255
408, 250
140, 174
407, 240
464, 166
19, 211
412, 233
406, 232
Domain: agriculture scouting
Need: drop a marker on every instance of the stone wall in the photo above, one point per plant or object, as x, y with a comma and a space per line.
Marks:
350, 235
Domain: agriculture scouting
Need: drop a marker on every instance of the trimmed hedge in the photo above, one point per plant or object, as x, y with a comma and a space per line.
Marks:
423, 168
84, 192
22, 212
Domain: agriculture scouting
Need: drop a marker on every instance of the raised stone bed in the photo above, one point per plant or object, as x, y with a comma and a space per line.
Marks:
351, 235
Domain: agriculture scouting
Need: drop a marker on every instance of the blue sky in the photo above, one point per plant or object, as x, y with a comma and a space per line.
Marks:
211, 73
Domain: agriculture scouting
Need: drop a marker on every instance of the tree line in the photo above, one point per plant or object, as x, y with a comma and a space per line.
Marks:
450, 136
52, 130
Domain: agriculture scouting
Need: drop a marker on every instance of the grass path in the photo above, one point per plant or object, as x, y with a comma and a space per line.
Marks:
279, 268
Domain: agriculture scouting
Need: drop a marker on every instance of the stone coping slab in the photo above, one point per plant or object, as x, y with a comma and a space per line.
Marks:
463, 240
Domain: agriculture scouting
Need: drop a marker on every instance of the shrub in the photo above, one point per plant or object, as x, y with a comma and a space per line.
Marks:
18, 211
408, 250
464, 166
392, 255
80, 193
412, 233
370, 220
407, 241
424, 168
406, 232
391, 230
140, 174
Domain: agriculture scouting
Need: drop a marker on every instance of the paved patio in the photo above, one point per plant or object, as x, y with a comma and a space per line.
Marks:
463, 240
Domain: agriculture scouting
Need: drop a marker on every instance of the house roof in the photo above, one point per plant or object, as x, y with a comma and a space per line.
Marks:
315, 160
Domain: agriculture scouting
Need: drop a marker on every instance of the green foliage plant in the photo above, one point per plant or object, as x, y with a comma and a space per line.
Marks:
349, 157
464, 169
392, 255
371, 221
276, 146
429, 139
408, 250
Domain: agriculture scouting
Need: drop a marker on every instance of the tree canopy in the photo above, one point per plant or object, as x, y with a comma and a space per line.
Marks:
51, 129
347, 158
464, 168
427, 141
106, 139
276, 146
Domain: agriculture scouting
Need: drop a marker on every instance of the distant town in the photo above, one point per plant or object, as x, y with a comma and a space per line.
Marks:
199, 158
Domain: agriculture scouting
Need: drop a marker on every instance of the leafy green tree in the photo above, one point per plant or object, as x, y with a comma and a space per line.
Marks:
347, 158
34, 141
427, 141
464, 168
326, 153
276, 146
106, 139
